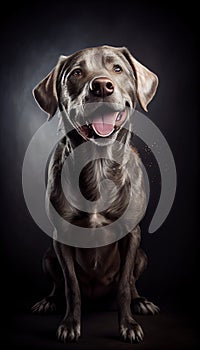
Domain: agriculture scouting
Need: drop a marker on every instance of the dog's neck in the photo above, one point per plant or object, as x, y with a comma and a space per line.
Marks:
119, 148
94, 164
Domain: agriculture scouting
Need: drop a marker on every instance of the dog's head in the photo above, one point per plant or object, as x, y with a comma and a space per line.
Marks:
96, 87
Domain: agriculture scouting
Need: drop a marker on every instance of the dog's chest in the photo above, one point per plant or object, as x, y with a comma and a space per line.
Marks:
100, 263
104, 184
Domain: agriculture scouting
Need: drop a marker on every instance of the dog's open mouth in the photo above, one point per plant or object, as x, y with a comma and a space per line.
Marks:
104, 125
102, 122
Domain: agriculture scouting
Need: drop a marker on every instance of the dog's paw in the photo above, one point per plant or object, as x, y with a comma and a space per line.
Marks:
46, 305
69, 331
131, 332
144, 307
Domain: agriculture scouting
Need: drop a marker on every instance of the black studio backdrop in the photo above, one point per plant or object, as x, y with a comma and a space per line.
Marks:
161, 36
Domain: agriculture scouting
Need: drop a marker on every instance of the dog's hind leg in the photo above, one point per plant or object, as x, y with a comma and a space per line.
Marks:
140, 305
53, 270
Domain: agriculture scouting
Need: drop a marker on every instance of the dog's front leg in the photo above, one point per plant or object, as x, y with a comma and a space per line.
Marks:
129, 329
69, 329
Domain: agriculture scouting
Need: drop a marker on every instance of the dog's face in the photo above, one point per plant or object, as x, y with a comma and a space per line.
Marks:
96, 87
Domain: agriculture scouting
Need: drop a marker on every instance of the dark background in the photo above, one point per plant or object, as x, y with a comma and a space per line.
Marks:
164, 38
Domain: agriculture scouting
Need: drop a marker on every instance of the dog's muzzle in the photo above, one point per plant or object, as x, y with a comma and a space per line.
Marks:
102, 119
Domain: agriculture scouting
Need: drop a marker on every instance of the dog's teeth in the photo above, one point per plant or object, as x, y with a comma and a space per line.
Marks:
119, 116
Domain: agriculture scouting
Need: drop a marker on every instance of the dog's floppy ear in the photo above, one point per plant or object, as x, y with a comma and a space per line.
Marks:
146, 81
45, 92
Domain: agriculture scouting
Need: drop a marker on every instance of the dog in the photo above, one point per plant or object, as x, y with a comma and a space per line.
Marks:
95, 89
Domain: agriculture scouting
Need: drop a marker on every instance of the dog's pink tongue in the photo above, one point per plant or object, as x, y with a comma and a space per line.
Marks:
104, 125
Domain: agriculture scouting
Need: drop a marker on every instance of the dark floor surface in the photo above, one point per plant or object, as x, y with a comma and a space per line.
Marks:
166, 331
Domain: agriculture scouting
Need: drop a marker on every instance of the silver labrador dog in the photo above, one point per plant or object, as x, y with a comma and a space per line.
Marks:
95, 89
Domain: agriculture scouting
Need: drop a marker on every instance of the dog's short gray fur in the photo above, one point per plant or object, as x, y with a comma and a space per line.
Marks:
114, 268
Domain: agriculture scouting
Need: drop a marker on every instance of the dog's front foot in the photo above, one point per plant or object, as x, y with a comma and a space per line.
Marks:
46, 305
130, 331
145, 307
69, 330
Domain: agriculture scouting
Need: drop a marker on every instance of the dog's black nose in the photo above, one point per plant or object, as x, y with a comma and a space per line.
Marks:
101, 87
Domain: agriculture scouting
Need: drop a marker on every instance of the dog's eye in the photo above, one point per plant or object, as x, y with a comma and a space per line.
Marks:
117, 68
77, 73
